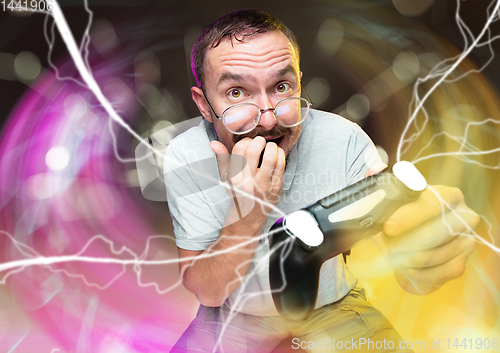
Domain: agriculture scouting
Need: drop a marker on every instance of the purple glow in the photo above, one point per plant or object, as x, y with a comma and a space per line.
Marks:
55, 212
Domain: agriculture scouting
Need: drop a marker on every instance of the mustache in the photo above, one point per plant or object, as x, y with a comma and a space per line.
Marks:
275, 132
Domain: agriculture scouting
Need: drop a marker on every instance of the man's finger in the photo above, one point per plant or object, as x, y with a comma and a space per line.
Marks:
253, 152
438, 274
426, 207
241, 146
462, 244
435, 232
268, 162
239, 160
280, 165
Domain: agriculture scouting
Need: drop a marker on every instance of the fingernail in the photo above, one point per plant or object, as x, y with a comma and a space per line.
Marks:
391, 227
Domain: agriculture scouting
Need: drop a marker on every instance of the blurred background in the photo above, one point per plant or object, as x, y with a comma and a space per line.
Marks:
69, 182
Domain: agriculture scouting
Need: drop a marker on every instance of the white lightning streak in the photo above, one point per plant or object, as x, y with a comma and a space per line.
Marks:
83, 68
470, 232
242, 298
464, 144
36, 259
444, 75
85, 72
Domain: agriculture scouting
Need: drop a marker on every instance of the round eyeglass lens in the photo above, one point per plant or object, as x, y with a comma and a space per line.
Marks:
241, 118
292, 111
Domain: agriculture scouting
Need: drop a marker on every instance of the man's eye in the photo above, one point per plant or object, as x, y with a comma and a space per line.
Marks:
235, 93
283, 87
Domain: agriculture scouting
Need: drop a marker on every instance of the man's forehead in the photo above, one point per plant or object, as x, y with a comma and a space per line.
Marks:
258, 46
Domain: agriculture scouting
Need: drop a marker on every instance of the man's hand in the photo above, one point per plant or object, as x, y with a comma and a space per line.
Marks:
428, 240
245, 181
214, 273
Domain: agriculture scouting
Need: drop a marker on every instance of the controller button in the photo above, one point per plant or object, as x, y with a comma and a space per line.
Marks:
303, 225
366, 222
409, 175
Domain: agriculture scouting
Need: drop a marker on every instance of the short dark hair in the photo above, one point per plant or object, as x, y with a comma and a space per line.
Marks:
236, 25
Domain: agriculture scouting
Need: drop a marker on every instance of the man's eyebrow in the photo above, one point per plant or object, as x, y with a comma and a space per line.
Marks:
283, 72
228, 76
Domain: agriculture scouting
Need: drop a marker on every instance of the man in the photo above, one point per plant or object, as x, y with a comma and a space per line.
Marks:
249, 86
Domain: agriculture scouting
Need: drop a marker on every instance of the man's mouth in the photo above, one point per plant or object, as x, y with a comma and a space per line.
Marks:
277, 140
277, 135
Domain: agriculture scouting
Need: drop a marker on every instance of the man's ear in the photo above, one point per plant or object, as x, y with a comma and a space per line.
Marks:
201, 102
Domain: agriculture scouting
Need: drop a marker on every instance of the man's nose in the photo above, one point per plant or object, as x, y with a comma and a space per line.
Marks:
267, 119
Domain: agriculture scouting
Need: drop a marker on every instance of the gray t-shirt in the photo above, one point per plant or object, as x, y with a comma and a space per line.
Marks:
330, 154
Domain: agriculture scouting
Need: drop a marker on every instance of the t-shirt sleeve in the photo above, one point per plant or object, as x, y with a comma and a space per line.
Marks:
190, 185
361, 155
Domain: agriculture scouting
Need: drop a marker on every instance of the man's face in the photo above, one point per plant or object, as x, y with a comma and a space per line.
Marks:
262, 70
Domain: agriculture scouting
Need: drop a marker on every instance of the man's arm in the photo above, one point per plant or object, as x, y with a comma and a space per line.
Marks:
216, 272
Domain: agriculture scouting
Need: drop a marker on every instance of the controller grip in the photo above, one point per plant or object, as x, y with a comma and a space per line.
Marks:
293, 276
303, 240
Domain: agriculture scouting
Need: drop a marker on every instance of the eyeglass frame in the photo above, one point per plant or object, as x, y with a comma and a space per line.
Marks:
260, 110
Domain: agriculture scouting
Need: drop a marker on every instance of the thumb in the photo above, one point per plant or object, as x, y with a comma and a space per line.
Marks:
222, 156
218, 148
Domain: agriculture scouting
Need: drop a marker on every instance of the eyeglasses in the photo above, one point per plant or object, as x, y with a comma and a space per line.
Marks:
244, 117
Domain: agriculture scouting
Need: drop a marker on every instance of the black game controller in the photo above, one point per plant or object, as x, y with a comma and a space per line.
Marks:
303, 240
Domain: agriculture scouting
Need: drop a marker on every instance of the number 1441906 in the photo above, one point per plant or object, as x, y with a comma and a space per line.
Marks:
27, 5
473, 343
